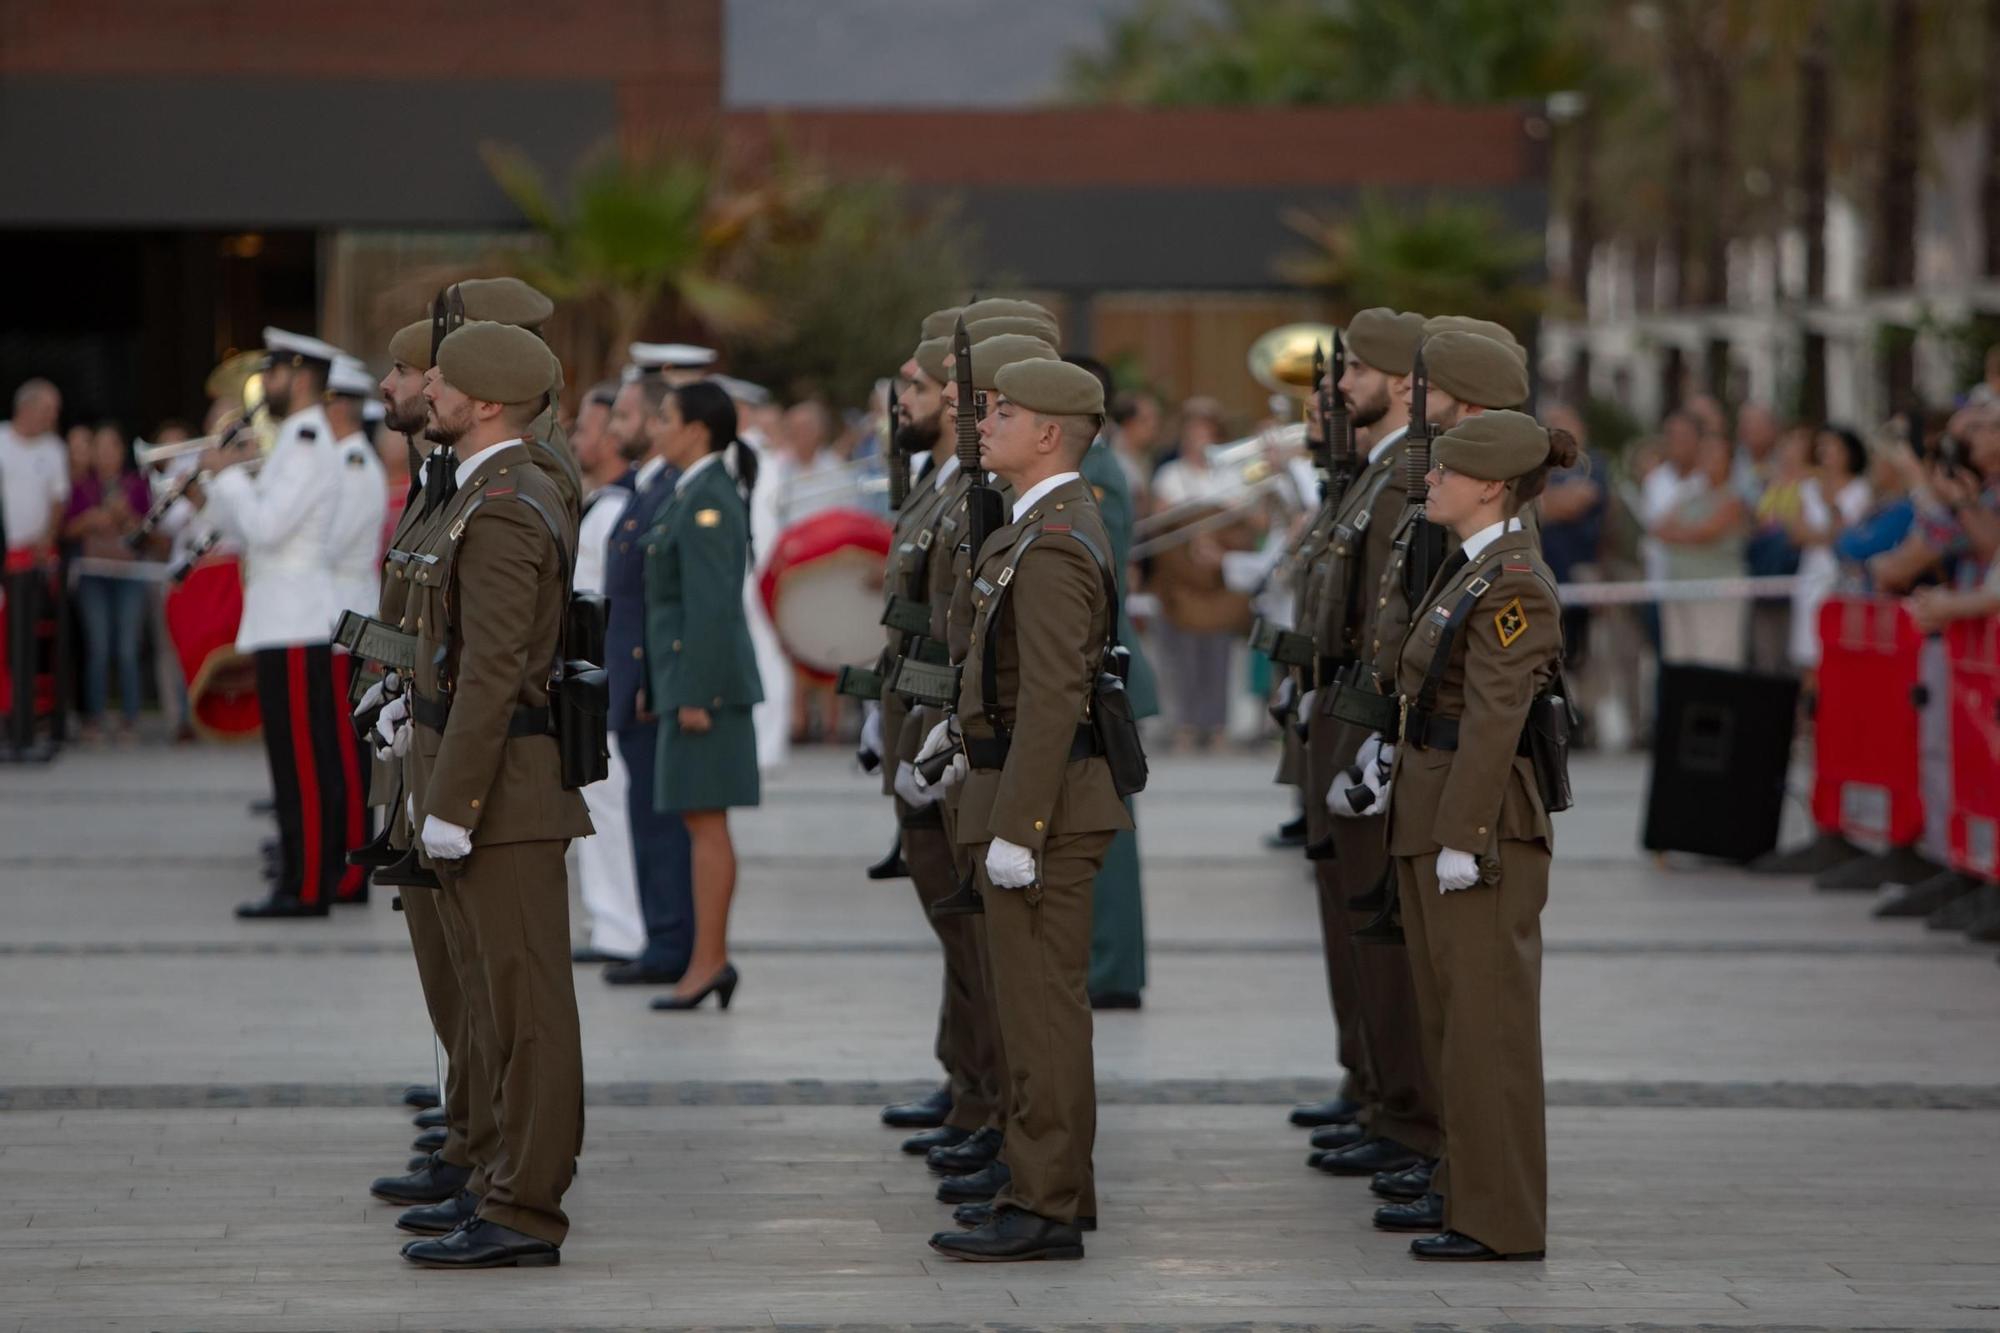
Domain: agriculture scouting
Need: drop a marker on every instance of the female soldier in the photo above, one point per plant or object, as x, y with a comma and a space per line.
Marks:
703, 670
1469, 831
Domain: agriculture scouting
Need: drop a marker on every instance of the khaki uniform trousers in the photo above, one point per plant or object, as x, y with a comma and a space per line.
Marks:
470, 1132
1476, 962
1038, 944
1336, 884
506, 915
967, 1045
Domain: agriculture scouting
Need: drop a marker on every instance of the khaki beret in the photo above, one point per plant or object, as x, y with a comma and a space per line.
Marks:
1467, 324
1005, 350
1052, 388
1386, 340
1493, 446
995, 325
497, 363
1475, 369
412, 345
504, 301
940, 323
995, 306
933, 357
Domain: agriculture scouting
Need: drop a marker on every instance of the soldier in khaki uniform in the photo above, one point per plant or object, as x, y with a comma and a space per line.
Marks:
485, 783
1037, 807
1470, 832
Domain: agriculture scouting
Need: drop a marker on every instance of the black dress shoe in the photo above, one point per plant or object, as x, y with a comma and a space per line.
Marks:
1338, 1111
1823, 853
1013, 1235
1962, 911
1329, 1137
1402, 1186
439, 1219
282, 906
1291, 834
431, 1140
1423, 1214
963, 1159
972, 1215
421, 1094
420, 1161
1114, 999
482, 1244
965, 901
431, 1117
588, 954
433, 1182
408, 872
891, 866
924, 1113
1985, 929
1368, 1157
1456, 1246
638, 972
1925, 898
978, 1187
722, 986
1898, 865
944, 1136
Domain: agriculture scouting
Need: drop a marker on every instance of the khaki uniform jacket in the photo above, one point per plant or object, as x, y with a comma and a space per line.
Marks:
1049, 646
1504, 653
486, 606
1336, 608
1392, 605
914, 541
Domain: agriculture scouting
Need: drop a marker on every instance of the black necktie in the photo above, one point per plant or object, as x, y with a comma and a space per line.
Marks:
440, 482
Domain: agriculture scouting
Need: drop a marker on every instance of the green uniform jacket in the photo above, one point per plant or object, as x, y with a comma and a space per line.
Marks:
1050, 642
698, 651
1114, 502
486, 606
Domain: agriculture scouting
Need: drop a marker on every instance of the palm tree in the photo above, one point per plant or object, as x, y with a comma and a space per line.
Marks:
1440, 256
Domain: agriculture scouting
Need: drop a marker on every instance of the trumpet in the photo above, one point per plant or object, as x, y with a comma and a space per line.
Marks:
194, 477
1252, 465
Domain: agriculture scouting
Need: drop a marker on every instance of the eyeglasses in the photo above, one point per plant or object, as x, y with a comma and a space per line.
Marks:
1440, 471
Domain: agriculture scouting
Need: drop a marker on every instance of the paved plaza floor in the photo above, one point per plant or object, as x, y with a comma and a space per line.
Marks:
1767, 1110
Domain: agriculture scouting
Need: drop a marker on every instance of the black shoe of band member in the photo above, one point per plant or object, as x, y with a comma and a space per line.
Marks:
1962, 911
482, 1244
431, 1140
1925, 898
1457, 1247
1115, 999
1368, 1157
944, 1136
978, 1187
439, 1219
1338, 1111
433, 1182
1425, 1214
1012, 1236
963, 1159
431, 1117
1402, 1186
924, 1113
283, 907
1329, 1137
421, 1095
974, 1215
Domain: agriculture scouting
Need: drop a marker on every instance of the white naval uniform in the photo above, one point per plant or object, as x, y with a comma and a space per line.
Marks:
282, 518
354, 535
607, 875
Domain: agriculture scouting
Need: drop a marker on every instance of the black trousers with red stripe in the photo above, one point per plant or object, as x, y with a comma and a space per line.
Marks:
303, 725
356, 819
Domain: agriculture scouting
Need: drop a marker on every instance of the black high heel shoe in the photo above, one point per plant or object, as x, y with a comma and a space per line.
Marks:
723, 987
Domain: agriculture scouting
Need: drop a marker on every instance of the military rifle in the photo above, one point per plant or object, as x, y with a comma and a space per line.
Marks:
1337, 425
899, 462
983, 509
1423, 551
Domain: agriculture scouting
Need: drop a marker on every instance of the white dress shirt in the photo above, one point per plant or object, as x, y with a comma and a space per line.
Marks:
1038, 490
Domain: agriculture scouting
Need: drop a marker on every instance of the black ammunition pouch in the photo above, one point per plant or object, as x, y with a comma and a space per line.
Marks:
1283, 646
932, 684
906, 615
1351, 697
858, 682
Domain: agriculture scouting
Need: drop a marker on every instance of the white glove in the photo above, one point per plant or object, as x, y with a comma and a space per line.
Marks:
942, 737
1009, 865
1456, 870
369, 698
910, 786
446, 842
393, 728
1306, 704
1371, 749
871, 731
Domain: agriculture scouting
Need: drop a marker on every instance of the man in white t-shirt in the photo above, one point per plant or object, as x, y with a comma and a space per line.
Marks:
34, 468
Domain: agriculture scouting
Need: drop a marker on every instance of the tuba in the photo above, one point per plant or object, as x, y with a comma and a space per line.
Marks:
1282, 360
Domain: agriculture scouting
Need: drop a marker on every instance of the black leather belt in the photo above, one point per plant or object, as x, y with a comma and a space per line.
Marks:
433, 713
990, 752
1429, 732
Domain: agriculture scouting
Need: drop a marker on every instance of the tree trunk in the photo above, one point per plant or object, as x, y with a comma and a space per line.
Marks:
1990, 180
1895, 256
1718, 105
1815, 131
1683, 56
1583, 242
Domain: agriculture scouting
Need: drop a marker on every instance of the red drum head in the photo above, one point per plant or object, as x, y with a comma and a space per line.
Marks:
202, 616
823, 589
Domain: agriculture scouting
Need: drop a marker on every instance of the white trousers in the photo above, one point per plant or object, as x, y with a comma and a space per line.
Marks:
607, 876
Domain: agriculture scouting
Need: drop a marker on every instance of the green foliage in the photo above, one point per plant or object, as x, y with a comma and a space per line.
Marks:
1435, 255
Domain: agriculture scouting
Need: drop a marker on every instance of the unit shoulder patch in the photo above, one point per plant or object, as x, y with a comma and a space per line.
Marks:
1511, 622
707, 518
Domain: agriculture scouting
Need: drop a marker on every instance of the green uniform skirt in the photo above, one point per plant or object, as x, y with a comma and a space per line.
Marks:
714, 770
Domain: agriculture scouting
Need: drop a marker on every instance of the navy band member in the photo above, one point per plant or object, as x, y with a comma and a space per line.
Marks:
1470, 832
1038, 807
485, 781
703, 668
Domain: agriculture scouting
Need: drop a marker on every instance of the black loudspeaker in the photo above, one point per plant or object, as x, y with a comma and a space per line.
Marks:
1721, 746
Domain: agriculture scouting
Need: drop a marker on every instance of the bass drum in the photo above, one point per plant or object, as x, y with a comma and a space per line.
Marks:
202, 615
822, 588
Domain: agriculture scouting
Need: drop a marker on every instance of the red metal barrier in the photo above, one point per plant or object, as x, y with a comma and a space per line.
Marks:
1975, 746
1866, 782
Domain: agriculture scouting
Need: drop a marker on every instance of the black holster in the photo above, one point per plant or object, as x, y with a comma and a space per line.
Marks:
1550, 721
580, 704
1118, 734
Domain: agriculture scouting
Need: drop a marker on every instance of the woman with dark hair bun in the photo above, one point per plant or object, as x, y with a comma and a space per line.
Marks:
702, 668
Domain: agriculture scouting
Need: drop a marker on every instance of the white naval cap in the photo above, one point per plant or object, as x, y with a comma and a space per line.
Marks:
350, 377
282, 343
373, 412
649, 357
743, 391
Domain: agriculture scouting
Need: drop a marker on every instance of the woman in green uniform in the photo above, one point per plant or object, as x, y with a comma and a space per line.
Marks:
1469, 831
702, 670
